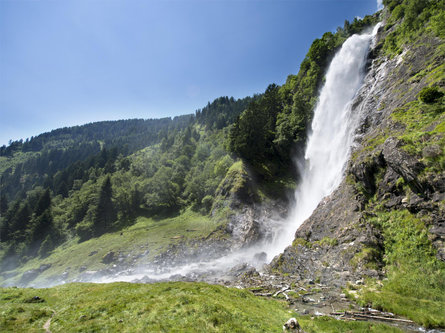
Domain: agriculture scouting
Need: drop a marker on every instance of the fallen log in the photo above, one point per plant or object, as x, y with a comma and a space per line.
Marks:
370, 315
281, 290
264, 294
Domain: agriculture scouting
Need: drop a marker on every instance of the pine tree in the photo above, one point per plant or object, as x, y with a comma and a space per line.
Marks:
43, 204
104, 214
42, 226
3, 204
20, 222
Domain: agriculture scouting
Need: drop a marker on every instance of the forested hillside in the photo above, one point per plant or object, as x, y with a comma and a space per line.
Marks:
96, 178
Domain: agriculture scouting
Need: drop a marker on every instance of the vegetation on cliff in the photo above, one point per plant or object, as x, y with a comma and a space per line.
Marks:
408, 210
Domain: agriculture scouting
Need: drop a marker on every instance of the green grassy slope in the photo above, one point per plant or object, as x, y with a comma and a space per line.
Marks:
147, 235
162, 307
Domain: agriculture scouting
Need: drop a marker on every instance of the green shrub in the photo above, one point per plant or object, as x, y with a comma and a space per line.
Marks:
430, 95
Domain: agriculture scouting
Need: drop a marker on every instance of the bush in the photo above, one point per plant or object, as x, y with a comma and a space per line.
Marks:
207, 202
430, 95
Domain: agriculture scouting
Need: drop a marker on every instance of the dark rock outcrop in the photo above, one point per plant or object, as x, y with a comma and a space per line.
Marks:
402, 163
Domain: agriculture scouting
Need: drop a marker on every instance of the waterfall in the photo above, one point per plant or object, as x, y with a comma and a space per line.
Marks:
331, 136
327, 152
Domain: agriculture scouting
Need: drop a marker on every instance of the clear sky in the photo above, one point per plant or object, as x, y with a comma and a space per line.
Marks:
65, 63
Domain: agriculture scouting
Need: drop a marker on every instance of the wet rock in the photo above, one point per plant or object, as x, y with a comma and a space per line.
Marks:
438, 229
251, 272
29, 276
260, 257
144, 279
82, 268
141, 255
308, 300
177, 277
44, 267
327, 242
109, 257
437, 197
240, 269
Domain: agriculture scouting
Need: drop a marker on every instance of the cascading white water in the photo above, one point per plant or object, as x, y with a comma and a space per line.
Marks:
329, 143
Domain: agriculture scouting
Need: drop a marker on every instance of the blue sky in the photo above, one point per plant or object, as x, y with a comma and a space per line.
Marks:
65, 63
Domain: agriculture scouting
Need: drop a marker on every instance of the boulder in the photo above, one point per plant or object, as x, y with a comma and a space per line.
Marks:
292, 325
44, 267
432, 151
29, 276
109, 258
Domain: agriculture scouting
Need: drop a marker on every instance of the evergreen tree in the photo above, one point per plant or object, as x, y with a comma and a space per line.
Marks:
43, 204
3, 204
42, 226
104, 214
252, 135
21, 222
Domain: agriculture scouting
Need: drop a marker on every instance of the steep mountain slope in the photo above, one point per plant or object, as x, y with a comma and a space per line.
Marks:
386, 218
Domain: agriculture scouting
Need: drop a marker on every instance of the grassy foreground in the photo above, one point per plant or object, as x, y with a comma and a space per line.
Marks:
160, 307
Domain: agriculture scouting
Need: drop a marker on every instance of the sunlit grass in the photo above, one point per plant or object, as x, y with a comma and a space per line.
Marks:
161, 307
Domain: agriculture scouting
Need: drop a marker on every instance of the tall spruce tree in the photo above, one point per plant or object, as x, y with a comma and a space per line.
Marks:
43, 204
104, 214
42, 225
3, 204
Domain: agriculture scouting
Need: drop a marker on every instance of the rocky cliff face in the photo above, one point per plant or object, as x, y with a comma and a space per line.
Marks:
389, 170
